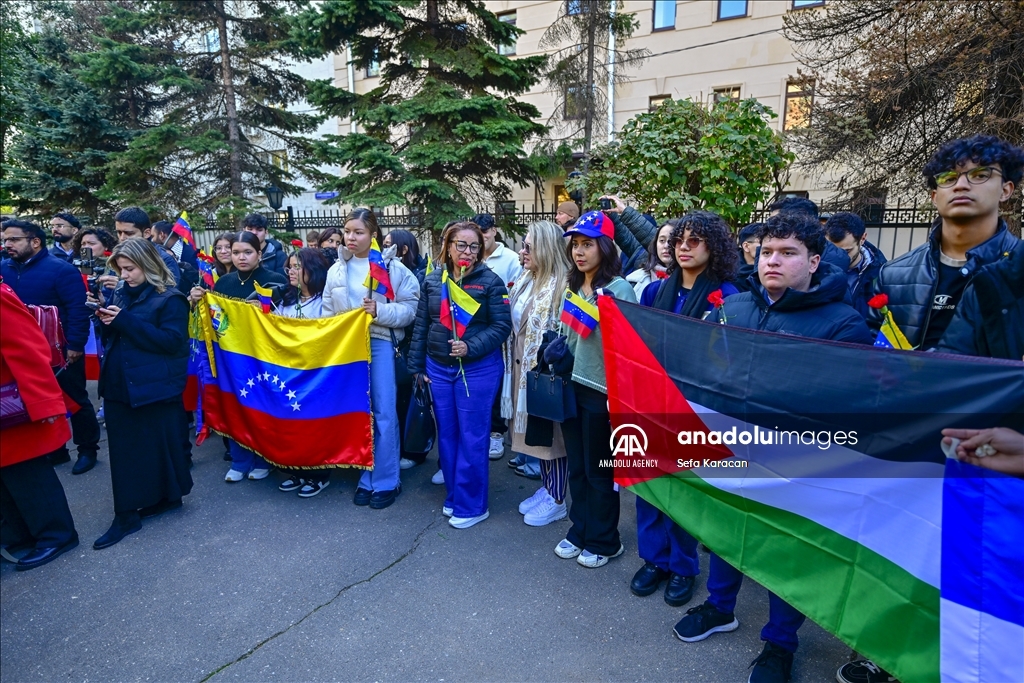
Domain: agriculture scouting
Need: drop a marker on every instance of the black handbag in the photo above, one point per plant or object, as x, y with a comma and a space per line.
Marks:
402, 374
549, 396
420, 430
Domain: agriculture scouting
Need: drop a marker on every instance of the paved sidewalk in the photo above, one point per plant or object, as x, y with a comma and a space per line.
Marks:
247, 583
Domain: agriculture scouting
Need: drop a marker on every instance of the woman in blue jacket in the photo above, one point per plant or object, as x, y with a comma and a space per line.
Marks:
145, 337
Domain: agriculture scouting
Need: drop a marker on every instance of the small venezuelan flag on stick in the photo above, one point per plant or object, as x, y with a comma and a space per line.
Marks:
207, 271
457, 307
580, 315
183, 230
378, 280
266, 297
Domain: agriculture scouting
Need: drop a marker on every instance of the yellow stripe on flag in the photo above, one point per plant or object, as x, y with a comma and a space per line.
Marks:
894, 334
298, 343
459, 296
584, 305
263, 291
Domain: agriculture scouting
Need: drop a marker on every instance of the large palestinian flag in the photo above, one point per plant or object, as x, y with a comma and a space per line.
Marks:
816, 469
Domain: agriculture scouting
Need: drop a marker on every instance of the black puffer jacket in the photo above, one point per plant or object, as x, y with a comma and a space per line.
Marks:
487, 331
832, 255
910, 281
989, 320
818, 313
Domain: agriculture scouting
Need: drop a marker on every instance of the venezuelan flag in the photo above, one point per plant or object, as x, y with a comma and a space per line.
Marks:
378, 280
457, 307
580, 315
890, 336
207, 271
295, 391
183, 230
266, 297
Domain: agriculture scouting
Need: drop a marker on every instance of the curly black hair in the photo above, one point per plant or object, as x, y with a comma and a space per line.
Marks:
106, 239
803, 228
983, 150
839, 224
722, 256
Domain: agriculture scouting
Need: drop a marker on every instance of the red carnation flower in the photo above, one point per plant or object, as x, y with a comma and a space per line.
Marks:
660, 274
106, 253
463, 264
715, 298
297, 243
878, 301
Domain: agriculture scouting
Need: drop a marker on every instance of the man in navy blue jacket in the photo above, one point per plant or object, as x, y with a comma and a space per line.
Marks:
41, 279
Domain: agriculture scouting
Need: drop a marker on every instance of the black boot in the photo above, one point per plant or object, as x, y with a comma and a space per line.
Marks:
85, 462
124, 523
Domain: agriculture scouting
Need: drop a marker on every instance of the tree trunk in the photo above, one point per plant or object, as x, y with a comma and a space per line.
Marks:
227, 78
588, 121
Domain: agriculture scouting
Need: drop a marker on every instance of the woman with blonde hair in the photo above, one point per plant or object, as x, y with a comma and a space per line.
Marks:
536, 300
145, 337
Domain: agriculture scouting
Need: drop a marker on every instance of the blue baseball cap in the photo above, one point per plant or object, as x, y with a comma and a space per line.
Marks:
592, 224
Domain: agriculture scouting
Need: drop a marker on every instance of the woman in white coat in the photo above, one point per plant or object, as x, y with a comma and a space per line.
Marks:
346, 290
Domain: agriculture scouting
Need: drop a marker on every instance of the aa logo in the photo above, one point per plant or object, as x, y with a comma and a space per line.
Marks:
629, 441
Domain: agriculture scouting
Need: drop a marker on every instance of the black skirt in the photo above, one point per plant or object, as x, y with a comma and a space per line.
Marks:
148, 463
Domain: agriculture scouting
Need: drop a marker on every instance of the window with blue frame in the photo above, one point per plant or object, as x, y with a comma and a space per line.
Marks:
664, 15
732, 9
801, 4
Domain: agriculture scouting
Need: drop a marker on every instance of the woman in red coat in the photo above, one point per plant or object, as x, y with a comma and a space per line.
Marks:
32, 502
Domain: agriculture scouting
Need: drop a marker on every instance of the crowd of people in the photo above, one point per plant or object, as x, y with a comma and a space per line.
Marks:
959, 292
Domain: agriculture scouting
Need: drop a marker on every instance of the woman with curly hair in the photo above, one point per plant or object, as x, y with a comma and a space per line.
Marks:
704, 260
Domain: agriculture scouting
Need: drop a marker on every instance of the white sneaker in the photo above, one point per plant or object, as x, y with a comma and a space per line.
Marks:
567, 550
545, 512
592, 561
534, 500
497, 449
438, 477
256, 475
406, 464
233, 475
447, 511
466, 522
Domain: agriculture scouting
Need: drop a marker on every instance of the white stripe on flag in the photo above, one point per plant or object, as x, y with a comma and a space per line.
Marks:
898, 517
978, 647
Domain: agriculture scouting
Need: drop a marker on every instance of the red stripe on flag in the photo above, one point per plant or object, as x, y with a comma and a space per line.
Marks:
190, 398
641, 393
576, 325
92, 366
345, 439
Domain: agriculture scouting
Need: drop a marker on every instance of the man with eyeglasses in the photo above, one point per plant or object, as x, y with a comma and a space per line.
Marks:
64, 227
38, 278
969, 178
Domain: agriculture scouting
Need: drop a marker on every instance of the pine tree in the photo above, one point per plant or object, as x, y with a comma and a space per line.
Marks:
443, 128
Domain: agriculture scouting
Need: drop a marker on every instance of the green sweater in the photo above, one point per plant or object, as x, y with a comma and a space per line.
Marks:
588, 367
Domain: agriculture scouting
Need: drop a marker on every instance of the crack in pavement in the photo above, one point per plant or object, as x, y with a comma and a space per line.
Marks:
268, 639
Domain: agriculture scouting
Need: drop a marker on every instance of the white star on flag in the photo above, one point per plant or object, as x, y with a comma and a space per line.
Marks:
250, 382
243, 393
295, 406
274, 381
282, 385
266, 376
291, 395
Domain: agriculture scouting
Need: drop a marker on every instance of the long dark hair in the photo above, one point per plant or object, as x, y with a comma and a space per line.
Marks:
314, 268
609, 268
327, 234
404, 238
653, 260
722, 256
449, 236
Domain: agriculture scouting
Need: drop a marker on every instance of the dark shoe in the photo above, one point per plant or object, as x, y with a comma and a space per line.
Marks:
313, 487
13, 552
123, 525
521, 471
679, 590
85, 462
700, 622
59, 458
362, 497
863, 671
292, 483
40, 556
773, 665
160, 508
381, 499
647, 579
227, 456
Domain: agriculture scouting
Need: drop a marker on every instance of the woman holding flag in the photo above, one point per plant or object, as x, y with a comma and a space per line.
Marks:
364, 277
240, 284
463, 319
593, 538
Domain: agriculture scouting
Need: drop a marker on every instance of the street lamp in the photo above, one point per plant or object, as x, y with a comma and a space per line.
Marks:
275, 197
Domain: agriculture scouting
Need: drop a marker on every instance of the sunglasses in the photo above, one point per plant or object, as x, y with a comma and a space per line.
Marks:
691, 242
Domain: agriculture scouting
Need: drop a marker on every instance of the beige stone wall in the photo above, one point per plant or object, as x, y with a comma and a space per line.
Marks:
693, 59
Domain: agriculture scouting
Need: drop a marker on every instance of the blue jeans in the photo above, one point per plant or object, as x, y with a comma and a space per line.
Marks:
529, 463
245, 461
724, 582
464, 428
664, 543
383, 401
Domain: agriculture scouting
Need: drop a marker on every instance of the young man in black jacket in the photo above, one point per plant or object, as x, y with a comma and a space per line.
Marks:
969, 178
794, 292
846, 231
271, 251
